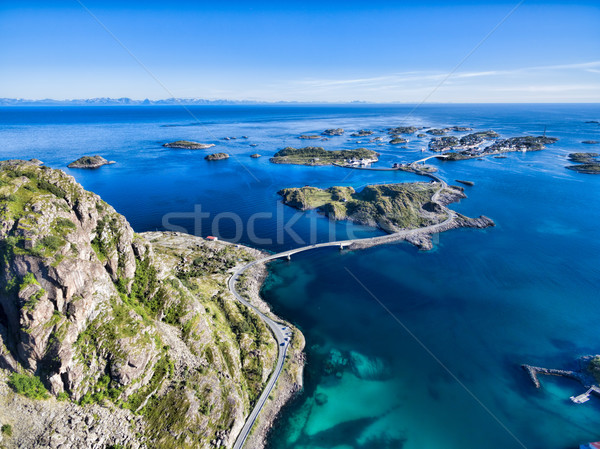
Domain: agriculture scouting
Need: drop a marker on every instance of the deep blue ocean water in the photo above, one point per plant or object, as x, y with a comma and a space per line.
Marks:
426, 346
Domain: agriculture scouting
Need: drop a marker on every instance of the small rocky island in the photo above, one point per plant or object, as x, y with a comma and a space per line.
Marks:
390, 207
309, 137
402, 130
398, 140
362, 133
90, 162
588, 163
216, 156
467, 183
321, 156
255, 156
437, 132
333, 132
189, 145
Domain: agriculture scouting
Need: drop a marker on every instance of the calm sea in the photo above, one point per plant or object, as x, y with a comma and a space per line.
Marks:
405, 349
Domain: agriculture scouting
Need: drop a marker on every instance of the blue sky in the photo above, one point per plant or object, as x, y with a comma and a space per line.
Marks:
330, 51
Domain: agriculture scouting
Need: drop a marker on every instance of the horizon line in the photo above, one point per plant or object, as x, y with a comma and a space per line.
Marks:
127, 101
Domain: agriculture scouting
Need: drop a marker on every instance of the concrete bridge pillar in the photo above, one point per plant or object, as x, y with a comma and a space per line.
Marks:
289, 257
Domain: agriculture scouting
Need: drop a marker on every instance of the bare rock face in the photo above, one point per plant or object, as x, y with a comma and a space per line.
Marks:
64, 251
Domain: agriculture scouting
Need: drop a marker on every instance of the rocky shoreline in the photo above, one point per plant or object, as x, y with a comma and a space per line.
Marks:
290, 382
422, 238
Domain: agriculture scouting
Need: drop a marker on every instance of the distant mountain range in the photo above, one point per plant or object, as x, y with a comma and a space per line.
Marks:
103, 101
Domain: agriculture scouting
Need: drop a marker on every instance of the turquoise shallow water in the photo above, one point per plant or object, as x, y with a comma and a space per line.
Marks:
440, 368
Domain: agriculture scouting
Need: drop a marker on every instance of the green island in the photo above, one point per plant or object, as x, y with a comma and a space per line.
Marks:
189, 145
136, 335
588, 163
90, 162
321, 156
390, 207
216, 156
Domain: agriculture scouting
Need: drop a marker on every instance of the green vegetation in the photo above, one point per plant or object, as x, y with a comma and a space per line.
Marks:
107, 235
391, 207
320, 156
251, 335
211, 261
7, 430
167, 423
28, 279
163, 370
29, 386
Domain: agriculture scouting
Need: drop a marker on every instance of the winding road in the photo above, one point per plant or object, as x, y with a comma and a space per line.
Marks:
281, 332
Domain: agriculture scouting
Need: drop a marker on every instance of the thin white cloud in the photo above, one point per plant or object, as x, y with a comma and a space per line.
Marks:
551, 88
403, 77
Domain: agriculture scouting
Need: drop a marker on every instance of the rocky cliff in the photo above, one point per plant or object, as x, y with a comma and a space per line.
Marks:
112, 320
